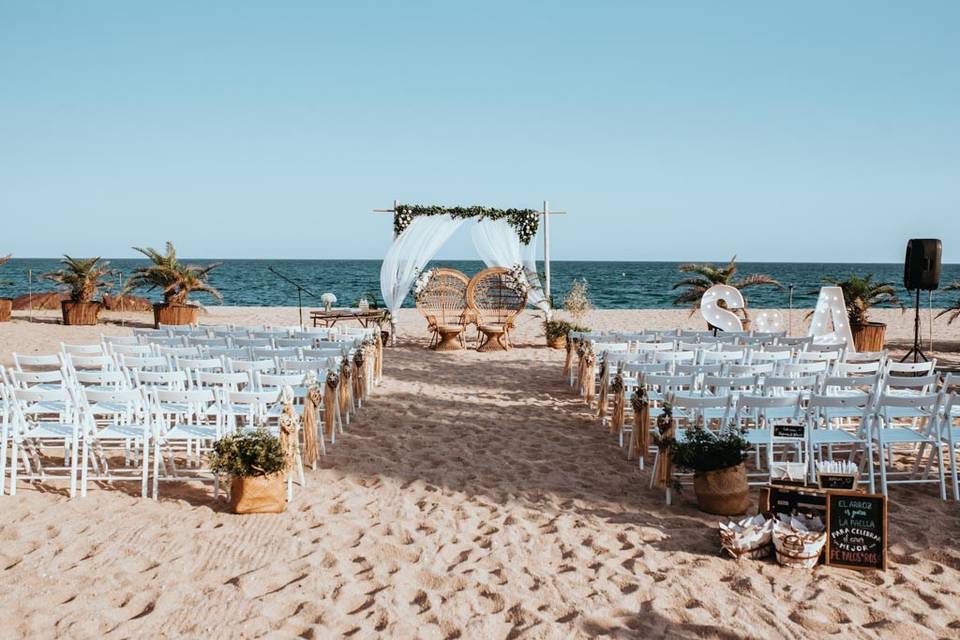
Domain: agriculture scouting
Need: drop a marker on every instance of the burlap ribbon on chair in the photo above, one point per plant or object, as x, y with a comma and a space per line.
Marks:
289, 427
589, 379
604, 387
330, 401
666, 428
346, 386
359, 375
311, 407
641, 424
619, 391
581, 352
378, 359
568, 362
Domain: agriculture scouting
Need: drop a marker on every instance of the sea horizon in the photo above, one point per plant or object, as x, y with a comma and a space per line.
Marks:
612, 284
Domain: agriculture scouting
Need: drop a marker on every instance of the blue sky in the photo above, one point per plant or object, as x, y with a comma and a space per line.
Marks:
813, 131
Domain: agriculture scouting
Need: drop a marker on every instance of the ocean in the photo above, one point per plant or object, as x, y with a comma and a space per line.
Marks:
611, 285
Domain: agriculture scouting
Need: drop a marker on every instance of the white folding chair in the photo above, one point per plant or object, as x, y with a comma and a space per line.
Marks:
912, 421
115, 420
190, 421
823, 432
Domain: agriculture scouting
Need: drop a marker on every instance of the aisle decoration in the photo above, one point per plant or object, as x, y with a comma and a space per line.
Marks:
641, 424
525, 222
572, 346
604, 394
255, 461
311, 408
666, 434
359, 376
346, 388
618, 388
588, 379
331, 402
378, 359
289, 424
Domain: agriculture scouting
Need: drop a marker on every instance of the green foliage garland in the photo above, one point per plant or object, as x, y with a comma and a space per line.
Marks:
524, 221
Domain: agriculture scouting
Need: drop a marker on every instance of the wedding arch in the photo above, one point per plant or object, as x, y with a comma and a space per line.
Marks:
502, 238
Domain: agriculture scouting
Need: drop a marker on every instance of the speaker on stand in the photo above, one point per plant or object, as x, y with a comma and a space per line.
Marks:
921, 272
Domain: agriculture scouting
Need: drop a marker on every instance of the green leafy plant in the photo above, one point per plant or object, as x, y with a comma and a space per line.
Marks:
702, 450
252, 453
82, 278
707, 275
524, 221
861, 293
953, 310
556, 329
577, 301
174, 279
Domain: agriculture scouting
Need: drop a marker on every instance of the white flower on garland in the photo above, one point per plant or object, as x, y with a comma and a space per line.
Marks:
420, 284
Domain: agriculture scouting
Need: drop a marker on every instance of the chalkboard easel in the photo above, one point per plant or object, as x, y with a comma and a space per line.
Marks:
856, 530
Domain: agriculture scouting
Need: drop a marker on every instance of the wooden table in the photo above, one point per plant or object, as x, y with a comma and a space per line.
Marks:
365, 318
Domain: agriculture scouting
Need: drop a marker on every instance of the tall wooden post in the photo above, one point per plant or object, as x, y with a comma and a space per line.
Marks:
546, 248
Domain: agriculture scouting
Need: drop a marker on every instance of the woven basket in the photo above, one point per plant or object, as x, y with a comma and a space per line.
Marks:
723, 491
793, 551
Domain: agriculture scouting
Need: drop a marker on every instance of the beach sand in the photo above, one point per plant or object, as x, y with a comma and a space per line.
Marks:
473, 497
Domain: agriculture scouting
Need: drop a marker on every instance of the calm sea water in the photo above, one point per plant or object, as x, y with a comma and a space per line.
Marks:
612, 285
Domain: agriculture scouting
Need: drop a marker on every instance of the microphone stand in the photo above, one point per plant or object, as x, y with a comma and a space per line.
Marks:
300, 290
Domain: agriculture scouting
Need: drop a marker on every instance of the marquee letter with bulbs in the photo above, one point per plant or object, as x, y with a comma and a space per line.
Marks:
830, 322
714, 314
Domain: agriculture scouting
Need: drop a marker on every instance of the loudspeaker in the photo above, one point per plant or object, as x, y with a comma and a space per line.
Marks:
921, 268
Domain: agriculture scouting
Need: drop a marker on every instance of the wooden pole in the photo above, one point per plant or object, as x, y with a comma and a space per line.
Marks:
546, 249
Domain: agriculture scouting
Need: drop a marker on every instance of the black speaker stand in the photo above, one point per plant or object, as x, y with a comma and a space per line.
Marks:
916, 351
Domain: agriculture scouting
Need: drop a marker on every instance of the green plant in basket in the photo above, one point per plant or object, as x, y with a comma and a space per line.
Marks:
557, 329
702, 450
247, 454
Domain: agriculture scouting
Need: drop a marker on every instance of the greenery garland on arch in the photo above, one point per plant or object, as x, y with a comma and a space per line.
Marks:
524, 221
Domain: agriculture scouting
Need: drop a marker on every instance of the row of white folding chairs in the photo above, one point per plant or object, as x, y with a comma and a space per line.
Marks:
79, 419
75, 418
844, 412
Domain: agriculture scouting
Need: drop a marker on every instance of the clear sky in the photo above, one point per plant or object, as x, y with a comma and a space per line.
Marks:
674, 130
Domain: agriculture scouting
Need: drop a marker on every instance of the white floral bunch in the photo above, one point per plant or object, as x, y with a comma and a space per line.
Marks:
518, 280
328, 300
527, 225
401, 220
420, 284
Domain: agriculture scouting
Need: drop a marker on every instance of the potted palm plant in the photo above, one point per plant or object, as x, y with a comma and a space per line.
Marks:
6, 304
176, 282
719, 476
860, 293
707, 275
256, 463
953, 310
82, 278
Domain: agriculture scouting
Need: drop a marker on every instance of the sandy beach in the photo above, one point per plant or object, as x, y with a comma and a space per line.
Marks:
475, 496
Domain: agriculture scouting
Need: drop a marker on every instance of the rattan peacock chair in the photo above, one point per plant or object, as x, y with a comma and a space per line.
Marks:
444, 304
496, 299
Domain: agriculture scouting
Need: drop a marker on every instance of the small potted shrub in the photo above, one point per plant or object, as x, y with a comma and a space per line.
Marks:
719, 476
860, 293
557, 331
82, 278
176, 281
6, 304
255, 462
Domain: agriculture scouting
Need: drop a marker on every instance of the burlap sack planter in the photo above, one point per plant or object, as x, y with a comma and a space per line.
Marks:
258, 494
723, 492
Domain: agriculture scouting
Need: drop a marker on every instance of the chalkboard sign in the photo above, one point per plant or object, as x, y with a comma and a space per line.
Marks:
789, 430
842, 481
856, 530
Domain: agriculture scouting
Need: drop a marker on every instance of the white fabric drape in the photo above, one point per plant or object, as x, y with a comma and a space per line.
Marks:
409, 254
499, 246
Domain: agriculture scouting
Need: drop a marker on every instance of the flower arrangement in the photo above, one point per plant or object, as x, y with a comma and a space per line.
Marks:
255, 453
328, 300
524, 221
577, 302
420, 284
517, 280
